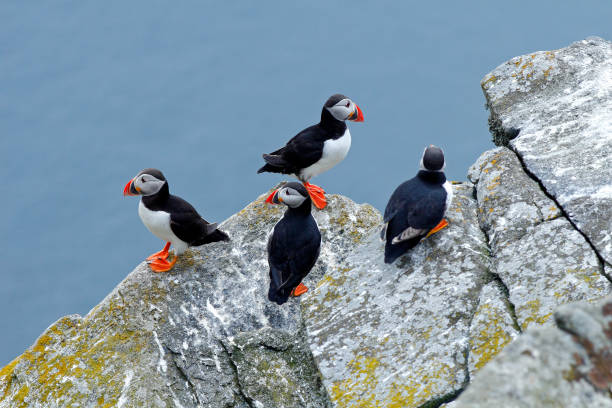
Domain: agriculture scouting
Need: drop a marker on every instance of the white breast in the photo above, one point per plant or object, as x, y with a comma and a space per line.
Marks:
158, 222
334, 151
449, 195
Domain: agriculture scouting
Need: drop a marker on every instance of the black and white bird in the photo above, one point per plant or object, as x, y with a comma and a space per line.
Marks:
169, 218
294, 243
317, 148
416, 208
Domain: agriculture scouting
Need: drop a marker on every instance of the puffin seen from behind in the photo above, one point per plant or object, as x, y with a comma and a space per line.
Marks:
317, 148
294, 243
169, 218
416, 208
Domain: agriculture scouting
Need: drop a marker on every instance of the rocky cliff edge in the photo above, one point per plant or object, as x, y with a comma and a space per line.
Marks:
480, 314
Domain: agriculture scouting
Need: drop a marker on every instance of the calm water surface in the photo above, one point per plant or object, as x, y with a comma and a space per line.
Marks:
92, 92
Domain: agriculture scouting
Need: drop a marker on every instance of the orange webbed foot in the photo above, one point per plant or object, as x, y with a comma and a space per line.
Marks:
163, 254
299, 290
162, 265
317, 195
442, 224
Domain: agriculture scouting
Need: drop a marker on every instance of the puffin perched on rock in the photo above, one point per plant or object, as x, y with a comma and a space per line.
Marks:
416, 208
169, 218
317, 148
294, 243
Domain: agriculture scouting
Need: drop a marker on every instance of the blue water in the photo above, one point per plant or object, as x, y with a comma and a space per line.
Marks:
92, 92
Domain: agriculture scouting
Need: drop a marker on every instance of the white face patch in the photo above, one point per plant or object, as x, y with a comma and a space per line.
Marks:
146, 184
342, 110
291, 197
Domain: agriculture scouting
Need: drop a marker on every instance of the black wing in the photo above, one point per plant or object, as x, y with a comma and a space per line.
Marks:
291, 256
416, 206
189, 226
398, 198
410, 214
303, 150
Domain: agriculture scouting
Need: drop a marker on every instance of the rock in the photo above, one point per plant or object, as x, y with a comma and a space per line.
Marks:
537, 254
203, 334
544, 203
398, 335
569, 366
561, 101
492, 327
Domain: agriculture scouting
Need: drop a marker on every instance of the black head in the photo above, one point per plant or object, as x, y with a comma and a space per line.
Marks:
433, 159
147, 182
334, 99
153, 172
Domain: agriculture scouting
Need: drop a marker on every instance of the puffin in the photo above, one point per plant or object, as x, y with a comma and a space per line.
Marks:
417, 207
170, 218
294, 243
317, 148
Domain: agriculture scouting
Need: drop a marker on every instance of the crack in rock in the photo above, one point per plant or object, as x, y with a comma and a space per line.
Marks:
234, 367
555, 265
561, 101
562, 211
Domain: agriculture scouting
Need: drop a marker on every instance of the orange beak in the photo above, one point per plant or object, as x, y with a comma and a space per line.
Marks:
357, 115
274, 198
129, 190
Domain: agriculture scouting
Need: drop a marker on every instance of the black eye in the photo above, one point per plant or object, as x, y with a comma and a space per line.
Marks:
348, 104
143, 180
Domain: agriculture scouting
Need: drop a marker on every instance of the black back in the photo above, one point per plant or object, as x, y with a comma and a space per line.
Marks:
293, 249
306, 148
185, 221
418, 203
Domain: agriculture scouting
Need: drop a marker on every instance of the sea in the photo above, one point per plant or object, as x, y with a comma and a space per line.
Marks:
92, 92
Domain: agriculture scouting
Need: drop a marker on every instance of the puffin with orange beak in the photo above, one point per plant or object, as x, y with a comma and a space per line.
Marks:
294, 243
170, 218
317, 148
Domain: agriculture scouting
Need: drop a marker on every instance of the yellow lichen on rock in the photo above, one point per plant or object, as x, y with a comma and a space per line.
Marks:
358, 390
491, 339
532, 308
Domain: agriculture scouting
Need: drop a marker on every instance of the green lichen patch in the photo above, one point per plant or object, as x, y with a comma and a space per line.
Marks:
80, 361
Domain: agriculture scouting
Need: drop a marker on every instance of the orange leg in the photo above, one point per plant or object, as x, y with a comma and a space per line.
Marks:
317, 195
441, 225
163, 254
299, 290
162, 265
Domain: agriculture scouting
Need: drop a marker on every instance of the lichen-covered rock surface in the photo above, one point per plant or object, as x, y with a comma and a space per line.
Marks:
566, 366
203, 334
560, 103
536, 252
492, 326
398, 335
482, 310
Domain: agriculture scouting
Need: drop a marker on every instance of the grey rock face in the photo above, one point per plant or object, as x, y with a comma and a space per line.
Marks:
203, 334
398, 335
538, 255
492, 327
569, 366
562, 103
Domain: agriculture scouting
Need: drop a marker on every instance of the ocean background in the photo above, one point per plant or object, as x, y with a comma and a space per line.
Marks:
91, 92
